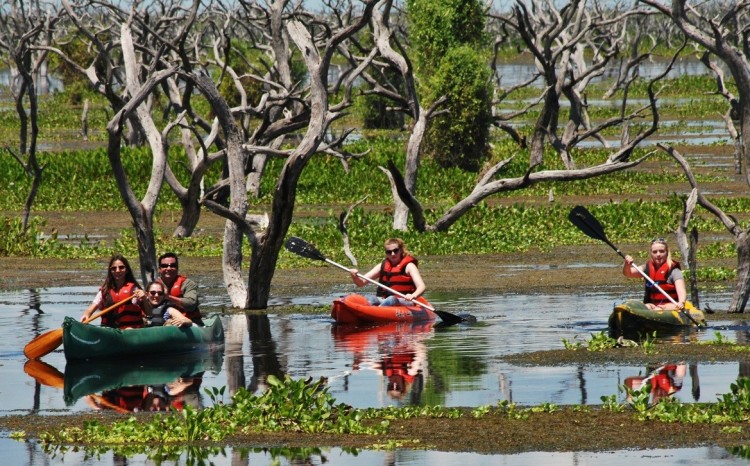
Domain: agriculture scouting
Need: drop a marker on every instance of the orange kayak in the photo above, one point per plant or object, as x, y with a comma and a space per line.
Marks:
355, 309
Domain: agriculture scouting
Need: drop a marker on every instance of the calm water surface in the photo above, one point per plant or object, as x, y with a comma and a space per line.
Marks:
366, 367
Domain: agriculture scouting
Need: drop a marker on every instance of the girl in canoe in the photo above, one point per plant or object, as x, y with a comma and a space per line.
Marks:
119, 284
398, 271
663, 271
158, 309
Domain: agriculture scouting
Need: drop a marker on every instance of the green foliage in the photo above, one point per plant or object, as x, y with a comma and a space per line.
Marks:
436, 26
449, 46
598, 342
460, 137
648, 344
610, 404
288, 405
719, 339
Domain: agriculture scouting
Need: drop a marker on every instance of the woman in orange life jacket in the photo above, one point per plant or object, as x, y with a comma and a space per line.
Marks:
398, 271
665, 272
119, 284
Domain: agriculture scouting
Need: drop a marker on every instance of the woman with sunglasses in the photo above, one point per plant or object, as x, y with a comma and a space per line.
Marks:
155, 305
663, 271
398, 271
119, 284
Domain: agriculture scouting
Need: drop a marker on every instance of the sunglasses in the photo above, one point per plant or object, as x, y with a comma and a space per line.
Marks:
117, 267
659, 240
156, 293
389, 252
168, 266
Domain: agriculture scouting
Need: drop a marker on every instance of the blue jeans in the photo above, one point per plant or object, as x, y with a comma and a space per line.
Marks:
391, 300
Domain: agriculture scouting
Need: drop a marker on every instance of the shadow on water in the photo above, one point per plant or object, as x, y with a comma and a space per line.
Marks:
391, 365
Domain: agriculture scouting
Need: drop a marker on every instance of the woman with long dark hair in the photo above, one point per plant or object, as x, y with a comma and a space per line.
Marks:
119, 285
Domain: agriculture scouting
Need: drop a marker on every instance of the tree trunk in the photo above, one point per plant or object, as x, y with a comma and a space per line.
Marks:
742, 288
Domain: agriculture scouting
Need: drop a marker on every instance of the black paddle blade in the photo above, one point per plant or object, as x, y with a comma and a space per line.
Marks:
587, 223
303, 248
448, 318
590, 226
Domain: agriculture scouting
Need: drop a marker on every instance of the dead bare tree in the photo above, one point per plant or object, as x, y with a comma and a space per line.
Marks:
720, 28
571, 46
23, 26
560, 39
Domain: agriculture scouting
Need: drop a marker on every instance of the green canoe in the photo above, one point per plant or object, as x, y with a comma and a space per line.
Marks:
633, 317
86, 342
87, 377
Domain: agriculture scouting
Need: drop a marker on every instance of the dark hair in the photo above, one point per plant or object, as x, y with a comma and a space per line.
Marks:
159, 282
169, 254
110, 283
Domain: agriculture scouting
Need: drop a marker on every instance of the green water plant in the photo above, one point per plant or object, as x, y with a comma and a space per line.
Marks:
288, 405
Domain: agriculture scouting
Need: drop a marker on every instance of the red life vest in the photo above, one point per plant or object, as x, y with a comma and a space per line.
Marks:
176, 291
129, 398
126, 315
395, 277
659, 276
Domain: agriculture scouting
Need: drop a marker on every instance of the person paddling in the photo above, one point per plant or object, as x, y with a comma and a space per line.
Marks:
665, 272
398, 271
119, 285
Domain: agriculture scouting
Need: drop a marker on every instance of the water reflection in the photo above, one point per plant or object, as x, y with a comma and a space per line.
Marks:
665, 381
130, 386
28, 454
397, 352
462, 365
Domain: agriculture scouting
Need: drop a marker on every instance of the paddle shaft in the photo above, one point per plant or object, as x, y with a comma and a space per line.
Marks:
48, 341
102, 312
375, 282
590, 226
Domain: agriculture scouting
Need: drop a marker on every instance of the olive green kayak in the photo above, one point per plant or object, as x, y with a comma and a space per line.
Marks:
88, 377
633, 317
87, 342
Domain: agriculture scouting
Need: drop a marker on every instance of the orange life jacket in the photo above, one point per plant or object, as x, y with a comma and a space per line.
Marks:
176, 291
659, 276
395, 277
129, 398
126, 315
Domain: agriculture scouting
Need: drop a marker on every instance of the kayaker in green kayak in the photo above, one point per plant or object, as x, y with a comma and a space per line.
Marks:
663, 271
182, 292
119, 285
398, 271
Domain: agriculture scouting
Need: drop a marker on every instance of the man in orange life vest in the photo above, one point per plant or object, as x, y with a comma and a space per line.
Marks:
398, 271
663, 271
182, 292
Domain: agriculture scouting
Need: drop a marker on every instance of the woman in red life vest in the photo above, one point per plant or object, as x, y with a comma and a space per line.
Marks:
119, 284
663, 271
398, 271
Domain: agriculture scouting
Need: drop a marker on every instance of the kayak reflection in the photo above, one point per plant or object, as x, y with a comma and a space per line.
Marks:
665, 380
140, 385
397, 351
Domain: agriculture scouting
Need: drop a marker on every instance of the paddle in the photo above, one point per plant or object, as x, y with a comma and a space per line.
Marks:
305, 249
51, 377
591, 227
47, 342
44, 373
